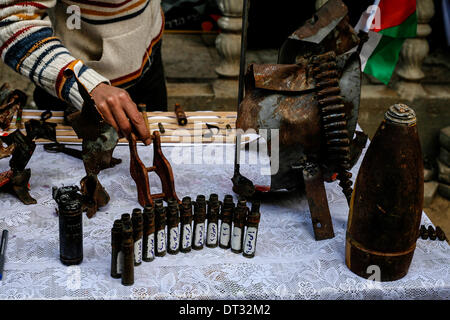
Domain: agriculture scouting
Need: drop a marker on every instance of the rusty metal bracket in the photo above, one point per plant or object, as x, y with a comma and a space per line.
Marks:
161, 166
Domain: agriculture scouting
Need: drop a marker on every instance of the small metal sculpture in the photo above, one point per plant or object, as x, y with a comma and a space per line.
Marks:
312, 97
19, 146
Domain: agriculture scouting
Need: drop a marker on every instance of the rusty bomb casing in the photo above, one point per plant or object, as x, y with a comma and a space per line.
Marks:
386, 205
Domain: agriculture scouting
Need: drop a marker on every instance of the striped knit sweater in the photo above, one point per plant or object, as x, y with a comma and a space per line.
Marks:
113, 44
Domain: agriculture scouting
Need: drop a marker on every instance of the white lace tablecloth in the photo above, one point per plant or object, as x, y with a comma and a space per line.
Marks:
289, 263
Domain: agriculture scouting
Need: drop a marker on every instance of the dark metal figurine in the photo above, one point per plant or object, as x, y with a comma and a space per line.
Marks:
186, 225
138, 231
386, 207
116, 247
240, 216
70, 224
127, 254
173, 220
252, 231
160, 226
312, 98
149, 234
18, 146
199, 222
226, 215
212, 233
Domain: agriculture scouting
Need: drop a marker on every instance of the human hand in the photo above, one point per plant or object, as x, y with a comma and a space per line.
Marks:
117, 108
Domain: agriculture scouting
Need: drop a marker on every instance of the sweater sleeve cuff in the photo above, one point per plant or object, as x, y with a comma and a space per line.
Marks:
90, 79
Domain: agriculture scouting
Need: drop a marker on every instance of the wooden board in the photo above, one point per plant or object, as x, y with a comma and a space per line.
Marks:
195, 131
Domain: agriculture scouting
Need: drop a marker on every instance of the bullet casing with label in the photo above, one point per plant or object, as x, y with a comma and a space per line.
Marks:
239, 219
226, 216
160, 225
251, 235
116, 247
173, 220
148, 251
199, 222
138, 232
128, 254
186, 225
212, 215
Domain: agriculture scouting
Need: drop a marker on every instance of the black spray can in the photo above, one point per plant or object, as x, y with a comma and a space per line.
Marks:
252, 231
173, 220
212, 235
240, 216
226, 215
116, 247
138, 228
128, 254
148, 253
186, 225
199, 222
70, 224
160, 225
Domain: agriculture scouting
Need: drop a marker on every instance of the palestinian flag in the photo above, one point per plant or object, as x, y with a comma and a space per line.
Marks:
389, 23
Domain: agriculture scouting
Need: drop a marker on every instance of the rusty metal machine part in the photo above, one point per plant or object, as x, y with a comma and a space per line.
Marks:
387, 201
161, 166
18, 146
312, 97
99, 142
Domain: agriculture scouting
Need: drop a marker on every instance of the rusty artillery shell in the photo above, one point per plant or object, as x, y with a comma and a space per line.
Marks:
239, 218
160, 225
226, 215
116, 246
138, 232
386, 204
128, 254
148, 251
252, 231
431, 233
212, 234
440, 234
173, 220
423, 232
186, 225
181, 116
199, 222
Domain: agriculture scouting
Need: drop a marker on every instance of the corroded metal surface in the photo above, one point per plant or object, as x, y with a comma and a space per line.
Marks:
387, 202
161, 166
99, 141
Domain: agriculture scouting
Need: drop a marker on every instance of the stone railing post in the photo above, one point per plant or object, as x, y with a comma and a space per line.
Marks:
228, 42
414, 52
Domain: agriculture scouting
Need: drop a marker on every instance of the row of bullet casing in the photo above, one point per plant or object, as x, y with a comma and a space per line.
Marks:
431, 233
143, 236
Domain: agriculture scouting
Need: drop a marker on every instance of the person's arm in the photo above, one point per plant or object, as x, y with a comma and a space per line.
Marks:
28, 46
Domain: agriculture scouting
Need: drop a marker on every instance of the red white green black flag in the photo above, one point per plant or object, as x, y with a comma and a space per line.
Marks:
389, 23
